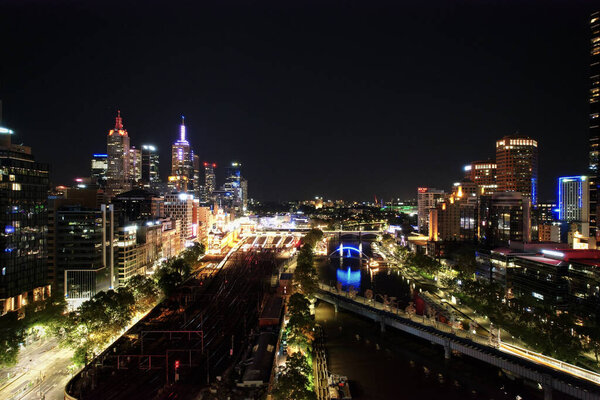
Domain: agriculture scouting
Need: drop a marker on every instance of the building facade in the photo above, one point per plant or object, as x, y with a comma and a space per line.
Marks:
117, 174
182, 168
594, 101
23, 225
517, 161
427, 198
150, 166
573, 201
483, 174
99, 169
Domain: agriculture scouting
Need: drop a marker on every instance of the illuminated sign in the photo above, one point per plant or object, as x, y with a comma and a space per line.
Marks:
422, 190
553, 253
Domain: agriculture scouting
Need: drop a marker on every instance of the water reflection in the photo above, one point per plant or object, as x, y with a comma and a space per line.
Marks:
348, 278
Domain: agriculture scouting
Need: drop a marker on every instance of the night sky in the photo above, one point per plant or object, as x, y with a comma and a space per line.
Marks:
340, 99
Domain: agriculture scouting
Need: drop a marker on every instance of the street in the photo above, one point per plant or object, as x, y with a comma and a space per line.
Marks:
41, 372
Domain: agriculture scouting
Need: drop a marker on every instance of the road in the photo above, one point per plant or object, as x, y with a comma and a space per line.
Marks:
41, 372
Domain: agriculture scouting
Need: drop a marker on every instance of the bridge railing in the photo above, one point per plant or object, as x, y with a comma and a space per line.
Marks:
478, 338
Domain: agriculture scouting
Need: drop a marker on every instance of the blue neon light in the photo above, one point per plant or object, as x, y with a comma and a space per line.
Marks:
342, 247
9, 229
348, 278
100, 155
562, 207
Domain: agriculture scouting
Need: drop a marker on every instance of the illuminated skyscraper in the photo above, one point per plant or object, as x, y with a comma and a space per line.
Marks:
135, 165
23, 225
517, 160
196, 184
117, 175
573, 201
210, 181
99, 167
150, 166
182, 168
483, 174
594, 120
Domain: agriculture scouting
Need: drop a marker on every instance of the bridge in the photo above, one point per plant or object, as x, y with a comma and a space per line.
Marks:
552, 374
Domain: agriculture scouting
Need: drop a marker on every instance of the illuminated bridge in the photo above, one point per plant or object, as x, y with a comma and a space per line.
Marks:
552, 374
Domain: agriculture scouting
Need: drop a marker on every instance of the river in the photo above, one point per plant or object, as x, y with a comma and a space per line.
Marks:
394, 365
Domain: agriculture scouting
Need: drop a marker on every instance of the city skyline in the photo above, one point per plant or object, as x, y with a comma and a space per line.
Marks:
475, 80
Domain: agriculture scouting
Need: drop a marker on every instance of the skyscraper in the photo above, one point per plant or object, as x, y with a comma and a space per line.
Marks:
594, 100
516, 157
210, 181
150, 166
23, 225
573, 201
427, 198
117, 176
99, 167
135, 165
182, 169
483, 174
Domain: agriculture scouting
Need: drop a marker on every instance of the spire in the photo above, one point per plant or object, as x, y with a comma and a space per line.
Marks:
182, 129
119, 121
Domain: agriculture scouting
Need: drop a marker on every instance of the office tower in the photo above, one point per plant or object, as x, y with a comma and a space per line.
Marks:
504, 217
99, 167
180, 206
138, 205
573, 201
594, 100
196, 184
23, 225
483, 174
82, 251
150, 166
117, 174
135, 165
233, 194
516, 157
182, 169
427, 198
210, 181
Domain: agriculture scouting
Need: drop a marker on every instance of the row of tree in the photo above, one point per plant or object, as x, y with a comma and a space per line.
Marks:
89, 329
296, 379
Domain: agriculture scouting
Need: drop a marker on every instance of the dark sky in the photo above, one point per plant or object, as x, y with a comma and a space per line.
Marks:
341, 99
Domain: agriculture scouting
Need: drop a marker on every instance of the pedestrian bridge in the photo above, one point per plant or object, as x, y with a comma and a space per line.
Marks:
552, 374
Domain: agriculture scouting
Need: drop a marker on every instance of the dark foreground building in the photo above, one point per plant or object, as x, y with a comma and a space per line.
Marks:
23, 225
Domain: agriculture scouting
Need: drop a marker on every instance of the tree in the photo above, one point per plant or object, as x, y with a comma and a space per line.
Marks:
301, 324
294, 382
12, 334
192, 254
145, 291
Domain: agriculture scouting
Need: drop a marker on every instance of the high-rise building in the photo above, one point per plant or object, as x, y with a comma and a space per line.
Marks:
573, 201
82, 251
23, 225
594, 99
117, 174
150, 166
135, 165
504, 217
517, 160
483, 174
180, 206
99, 168
196, 184
234, 193
427, 198
182, 168
210, 181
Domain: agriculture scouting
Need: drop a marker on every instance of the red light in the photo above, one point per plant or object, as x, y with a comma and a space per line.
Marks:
214, 165
176, 364
205, 164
